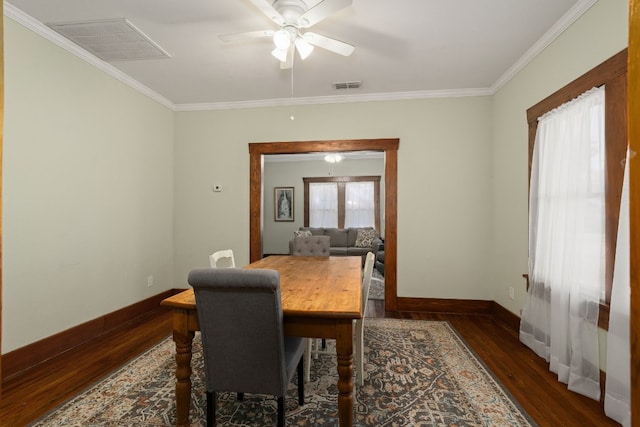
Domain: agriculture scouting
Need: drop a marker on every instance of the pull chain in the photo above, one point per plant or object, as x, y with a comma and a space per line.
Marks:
292, 117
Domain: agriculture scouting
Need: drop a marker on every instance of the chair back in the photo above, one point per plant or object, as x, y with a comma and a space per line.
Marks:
311, 246
366, 277
240, 315
222, 259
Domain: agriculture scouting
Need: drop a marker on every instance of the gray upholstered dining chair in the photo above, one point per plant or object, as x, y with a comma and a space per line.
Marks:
222, 259
311, 246
241, 324
358, 324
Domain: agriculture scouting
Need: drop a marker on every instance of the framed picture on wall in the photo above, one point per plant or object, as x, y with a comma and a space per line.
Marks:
283, 203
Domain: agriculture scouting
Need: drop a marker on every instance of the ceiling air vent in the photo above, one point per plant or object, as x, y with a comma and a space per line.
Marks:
111, 40
347, 85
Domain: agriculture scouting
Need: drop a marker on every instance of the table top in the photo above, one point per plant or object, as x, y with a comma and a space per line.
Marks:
309, 286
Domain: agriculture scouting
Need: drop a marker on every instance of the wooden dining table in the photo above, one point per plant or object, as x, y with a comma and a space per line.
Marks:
321, 296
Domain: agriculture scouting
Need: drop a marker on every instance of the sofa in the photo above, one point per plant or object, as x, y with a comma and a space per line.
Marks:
380, 259
344, 240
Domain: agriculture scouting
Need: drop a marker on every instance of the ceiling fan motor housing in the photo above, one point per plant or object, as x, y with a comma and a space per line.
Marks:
290, 10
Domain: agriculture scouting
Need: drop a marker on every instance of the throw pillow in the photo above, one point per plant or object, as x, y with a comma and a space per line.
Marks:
364, 238
302, 233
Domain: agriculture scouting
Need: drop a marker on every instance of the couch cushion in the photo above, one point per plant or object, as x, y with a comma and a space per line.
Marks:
302, 233
353, 234
338, 236
365, 238
339, 250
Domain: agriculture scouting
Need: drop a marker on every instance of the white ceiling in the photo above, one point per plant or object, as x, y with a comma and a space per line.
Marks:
404, 48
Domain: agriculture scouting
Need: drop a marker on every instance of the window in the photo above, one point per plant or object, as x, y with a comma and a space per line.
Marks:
323, 204
612, 74
342, 202
359, 204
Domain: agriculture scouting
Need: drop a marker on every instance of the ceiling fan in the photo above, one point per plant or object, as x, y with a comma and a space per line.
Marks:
293, 16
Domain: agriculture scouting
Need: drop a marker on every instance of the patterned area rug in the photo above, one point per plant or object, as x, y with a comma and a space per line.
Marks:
417, 373
376, 289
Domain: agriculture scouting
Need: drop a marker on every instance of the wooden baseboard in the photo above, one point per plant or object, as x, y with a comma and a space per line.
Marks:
451, 306
457, 306
24, 358
505, 317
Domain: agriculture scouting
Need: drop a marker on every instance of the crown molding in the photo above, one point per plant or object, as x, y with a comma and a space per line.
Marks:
553, 33
284, 102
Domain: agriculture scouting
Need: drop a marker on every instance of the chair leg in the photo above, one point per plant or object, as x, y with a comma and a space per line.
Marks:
301, 382
211, 409
280, 411
307, 361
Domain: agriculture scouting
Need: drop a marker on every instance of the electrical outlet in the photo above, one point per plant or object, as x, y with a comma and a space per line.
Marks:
511, 292
149, 281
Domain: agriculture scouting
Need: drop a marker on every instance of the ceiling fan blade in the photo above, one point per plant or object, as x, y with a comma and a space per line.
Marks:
235, 37
321, 11
336, 46
265, 7
289, 62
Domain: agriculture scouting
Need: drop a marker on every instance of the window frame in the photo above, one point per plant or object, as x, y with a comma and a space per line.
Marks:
341, 182
612, 73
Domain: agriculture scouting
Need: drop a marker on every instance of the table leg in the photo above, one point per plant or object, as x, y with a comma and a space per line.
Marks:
344, 351
183, 376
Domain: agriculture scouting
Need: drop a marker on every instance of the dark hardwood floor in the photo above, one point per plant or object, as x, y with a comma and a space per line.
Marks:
27, 397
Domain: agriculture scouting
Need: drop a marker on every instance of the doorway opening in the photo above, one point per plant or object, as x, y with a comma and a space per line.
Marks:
256, 192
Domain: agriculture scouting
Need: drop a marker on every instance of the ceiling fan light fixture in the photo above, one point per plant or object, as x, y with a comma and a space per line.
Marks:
280, 54
282, 39
304, 48
333, 158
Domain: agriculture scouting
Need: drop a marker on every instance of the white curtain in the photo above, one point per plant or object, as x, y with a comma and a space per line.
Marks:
617, 399
323, 204
566, 242
359, 204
